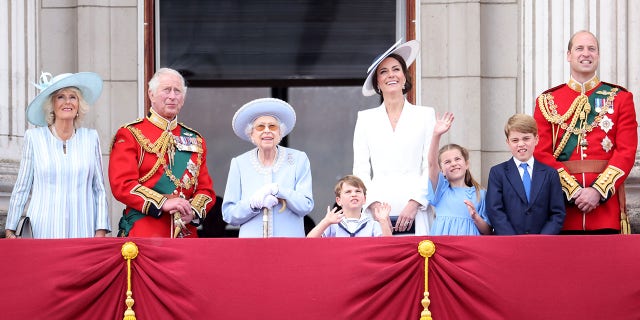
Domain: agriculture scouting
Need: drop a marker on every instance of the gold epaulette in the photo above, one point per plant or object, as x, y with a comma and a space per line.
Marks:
132, 122
554, 88
199, 204
616, 86
113, 140
569, 184
188, 128
606, 181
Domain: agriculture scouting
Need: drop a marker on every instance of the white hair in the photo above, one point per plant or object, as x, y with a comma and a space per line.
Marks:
154, 82
249, 128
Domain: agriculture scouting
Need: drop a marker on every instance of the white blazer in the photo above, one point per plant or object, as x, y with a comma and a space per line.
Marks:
394, 164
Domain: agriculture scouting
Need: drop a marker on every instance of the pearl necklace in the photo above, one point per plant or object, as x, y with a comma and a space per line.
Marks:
64, 142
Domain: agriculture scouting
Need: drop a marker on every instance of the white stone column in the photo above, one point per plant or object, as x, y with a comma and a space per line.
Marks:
450, 37
18, 47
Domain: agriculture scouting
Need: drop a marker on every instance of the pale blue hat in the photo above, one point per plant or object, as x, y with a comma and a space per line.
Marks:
254, 109
89, 84
408, 51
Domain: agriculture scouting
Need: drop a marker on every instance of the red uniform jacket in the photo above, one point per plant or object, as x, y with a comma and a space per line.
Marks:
607, 131
152, 160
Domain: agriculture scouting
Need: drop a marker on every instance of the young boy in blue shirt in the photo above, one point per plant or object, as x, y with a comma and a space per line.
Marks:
349, 221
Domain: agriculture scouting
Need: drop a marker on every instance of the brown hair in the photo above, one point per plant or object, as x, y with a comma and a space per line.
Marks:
469, 181
521, 122
405, 71
352, 181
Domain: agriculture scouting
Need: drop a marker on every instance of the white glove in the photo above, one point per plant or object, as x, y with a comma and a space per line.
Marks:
256, 200
269, 201
258, 197
273, 188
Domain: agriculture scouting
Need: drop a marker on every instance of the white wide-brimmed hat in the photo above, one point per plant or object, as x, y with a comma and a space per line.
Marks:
89, 84
408, 51
254, 109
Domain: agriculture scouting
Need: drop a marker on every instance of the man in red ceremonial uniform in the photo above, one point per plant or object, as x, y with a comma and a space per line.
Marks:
158, 167
588, 132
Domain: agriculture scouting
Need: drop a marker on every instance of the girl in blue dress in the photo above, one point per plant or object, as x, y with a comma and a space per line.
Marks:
456, 196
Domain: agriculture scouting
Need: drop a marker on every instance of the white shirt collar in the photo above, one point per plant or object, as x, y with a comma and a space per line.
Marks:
529, 162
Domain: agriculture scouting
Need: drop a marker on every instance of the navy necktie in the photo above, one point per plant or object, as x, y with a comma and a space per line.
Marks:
526, 180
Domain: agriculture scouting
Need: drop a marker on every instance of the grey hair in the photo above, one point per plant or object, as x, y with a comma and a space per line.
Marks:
154, 82
249, 128
49, 114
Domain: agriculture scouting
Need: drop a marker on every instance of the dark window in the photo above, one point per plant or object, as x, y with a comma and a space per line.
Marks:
230, 42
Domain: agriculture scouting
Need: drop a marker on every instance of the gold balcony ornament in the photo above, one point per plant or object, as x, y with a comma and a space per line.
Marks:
426, 248
129, 252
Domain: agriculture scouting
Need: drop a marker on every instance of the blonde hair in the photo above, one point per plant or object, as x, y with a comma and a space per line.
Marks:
352, 181
469, 181
522, 123
49, 114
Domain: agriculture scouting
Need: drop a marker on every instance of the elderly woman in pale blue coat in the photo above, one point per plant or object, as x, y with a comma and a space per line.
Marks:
268, 189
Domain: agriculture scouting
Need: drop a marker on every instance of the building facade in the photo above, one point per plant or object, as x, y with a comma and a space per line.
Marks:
482, 60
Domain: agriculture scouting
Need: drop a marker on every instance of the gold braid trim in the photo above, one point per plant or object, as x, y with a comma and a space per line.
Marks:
150, 197
550, 110
195, 171
569, 184
580, 107
159, 148
165, 142
606, 181
199, 204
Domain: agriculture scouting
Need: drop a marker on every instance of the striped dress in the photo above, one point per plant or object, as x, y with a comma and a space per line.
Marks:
67, 191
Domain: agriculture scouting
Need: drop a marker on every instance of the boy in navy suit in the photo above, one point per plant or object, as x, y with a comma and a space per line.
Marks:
524, 196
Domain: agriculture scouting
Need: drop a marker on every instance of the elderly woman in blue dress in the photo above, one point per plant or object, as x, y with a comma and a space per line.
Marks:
61, 166
268, 190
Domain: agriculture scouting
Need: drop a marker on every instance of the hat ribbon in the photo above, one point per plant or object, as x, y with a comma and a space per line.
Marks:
45, 81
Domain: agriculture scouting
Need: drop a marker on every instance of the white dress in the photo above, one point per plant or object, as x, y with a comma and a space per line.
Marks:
394, 164
68, 198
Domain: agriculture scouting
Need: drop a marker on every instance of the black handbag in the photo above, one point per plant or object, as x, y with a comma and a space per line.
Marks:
24, 228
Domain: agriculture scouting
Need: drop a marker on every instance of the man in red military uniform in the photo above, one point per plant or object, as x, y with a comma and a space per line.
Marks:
158, 167
588, 132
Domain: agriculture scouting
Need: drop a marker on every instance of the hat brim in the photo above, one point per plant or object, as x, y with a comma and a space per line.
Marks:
263, 107
408, 51
89, 84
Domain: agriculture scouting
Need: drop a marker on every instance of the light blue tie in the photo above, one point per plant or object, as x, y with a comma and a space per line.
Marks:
526, 180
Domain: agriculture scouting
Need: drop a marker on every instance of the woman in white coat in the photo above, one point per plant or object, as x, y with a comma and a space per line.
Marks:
391, 143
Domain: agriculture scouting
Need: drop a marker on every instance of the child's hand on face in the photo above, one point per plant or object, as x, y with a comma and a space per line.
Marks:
381, 212
334, 216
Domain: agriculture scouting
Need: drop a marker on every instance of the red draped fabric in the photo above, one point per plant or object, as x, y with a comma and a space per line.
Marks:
490, 277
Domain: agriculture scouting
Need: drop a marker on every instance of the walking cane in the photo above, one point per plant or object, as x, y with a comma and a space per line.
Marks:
265, 222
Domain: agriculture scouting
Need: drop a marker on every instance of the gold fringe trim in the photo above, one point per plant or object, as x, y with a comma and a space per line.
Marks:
625, 227
426, 248
129, 251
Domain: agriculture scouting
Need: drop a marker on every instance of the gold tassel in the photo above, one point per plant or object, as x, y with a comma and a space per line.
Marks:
129, 251
625, 228
426, 248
